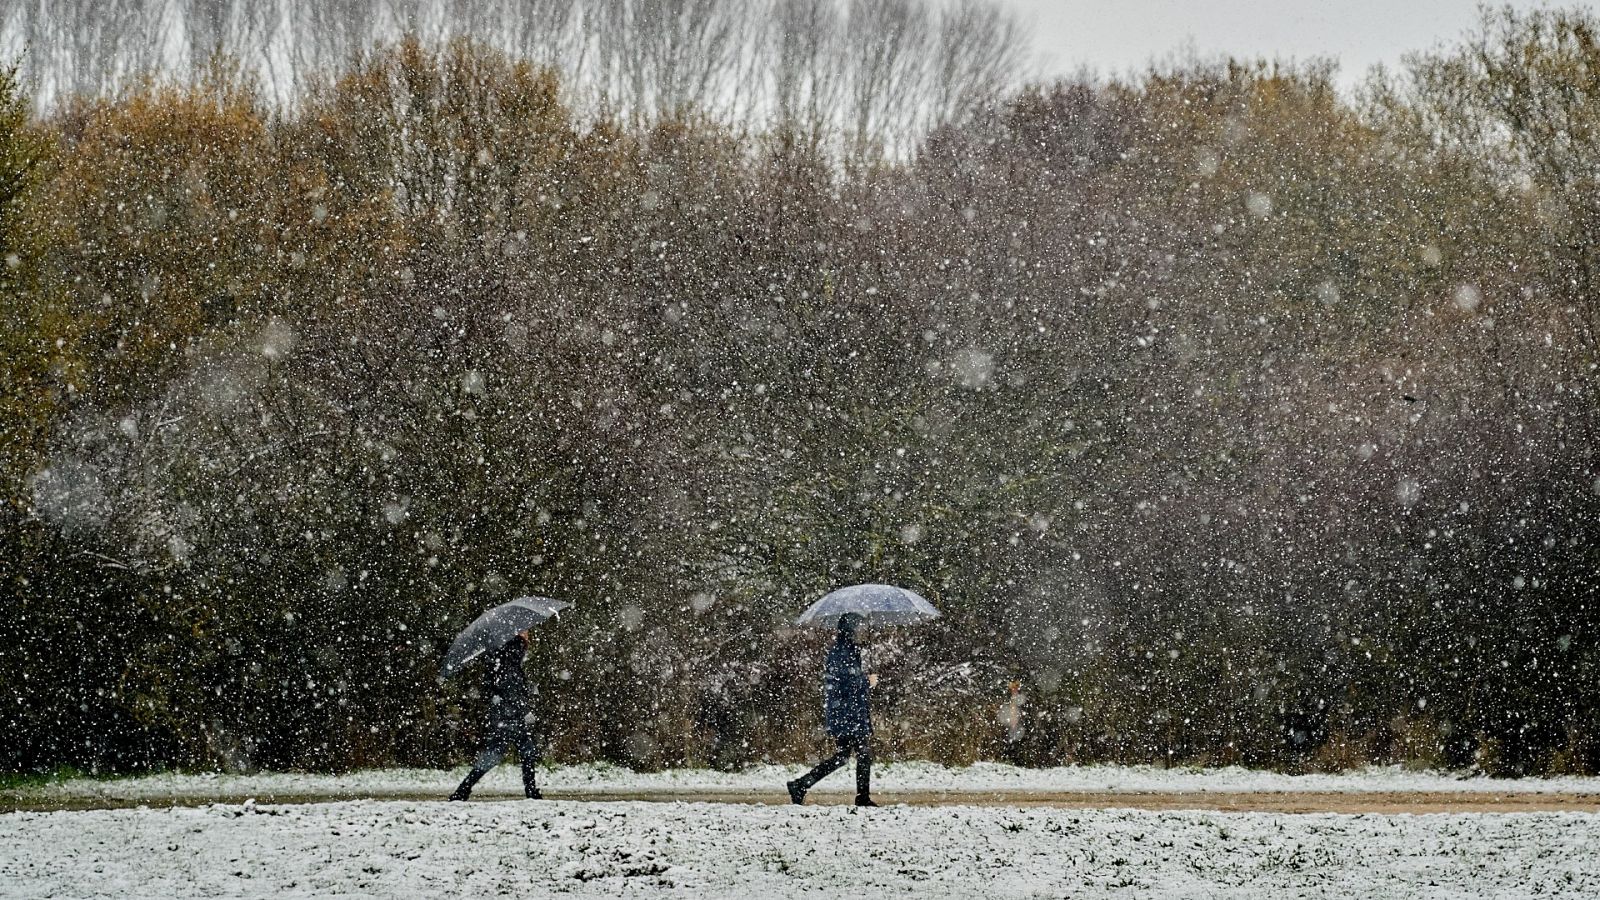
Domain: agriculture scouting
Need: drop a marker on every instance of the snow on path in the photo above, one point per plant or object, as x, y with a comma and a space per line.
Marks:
889, 778
622, 849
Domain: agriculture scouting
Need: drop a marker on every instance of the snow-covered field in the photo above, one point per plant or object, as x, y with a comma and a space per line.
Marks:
704, 850
406, 847
768, 780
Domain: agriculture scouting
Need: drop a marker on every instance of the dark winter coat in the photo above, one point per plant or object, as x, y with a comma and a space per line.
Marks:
846, 707
507, 685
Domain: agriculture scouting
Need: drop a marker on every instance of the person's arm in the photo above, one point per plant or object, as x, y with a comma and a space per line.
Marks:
857, 682
835, 673
841, 676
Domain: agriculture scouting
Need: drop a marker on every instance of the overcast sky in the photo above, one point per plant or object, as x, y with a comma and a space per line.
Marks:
1116, 35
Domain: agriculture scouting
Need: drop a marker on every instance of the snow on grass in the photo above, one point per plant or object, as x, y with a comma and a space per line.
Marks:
909, 776
578, 849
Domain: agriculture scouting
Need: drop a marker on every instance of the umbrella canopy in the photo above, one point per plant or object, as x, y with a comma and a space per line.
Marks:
880, 604
494, 628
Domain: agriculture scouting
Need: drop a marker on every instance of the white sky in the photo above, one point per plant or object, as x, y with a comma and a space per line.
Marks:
1113, 36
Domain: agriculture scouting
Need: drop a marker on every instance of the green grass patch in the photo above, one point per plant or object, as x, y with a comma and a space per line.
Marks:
16, 781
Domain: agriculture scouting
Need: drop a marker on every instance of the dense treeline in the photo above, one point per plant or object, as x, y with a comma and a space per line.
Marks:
1239, 421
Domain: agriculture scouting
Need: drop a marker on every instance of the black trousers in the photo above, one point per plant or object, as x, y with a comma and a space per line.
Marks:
502, 737
848, 744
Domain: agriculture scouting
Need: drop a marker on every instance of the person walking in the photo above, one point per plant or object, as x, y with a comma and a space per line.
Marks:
847, 711
510, 719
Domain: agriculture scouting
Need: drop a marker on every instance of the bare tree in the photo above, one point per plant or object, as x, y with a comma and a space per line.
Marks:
663, 57
331, 32
257, 43
977, 55
546, 31
22, 26
205, 29
406, 17
805, 84
80, 46
886, 50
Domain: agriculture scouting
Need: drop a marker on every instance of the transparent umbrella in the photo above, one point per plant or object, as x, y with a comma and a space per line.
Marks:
494, 628
880, 604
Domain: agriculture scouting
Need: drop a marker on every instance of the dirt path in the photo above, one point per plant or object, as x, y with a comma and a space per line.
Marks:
1382, 802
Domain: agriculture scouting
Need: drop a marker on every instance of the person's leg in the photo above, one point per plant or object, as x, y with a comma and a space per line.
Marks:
798, 787
493, 751
863, 748
528, 752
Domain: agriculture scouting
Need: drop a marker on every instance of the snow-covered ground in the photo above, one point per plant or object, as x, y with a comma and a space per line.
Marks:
768, 780
706, 850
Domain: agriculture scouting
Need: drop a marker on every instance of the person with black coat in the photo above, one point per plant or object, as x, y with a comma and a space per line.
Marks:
847, 712
510, 719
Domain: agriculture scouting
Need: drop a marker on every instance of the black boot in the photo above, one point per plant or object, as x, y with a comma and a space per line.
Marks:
465, 789
529, 788
864, 800
797, 793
